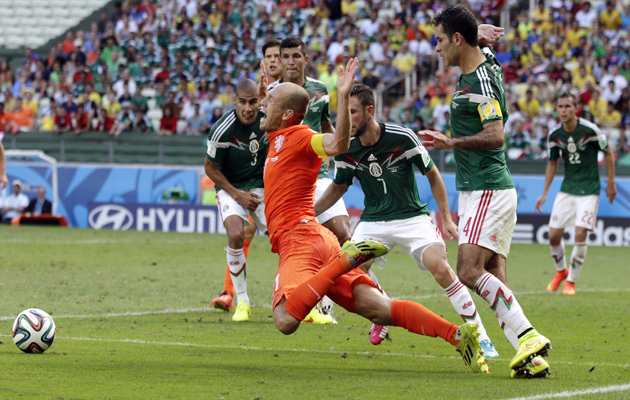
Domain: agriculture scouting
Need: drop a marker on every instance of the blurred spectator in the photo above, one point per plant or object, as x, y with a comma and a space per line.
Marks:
541, 150
22, 118
529, 106
82, 121
5, 120
519, 142
63, 122
597, 106
124, 120
440, 110
586, 16
387, 72
620, 80
141, 122
39, 205
196, 122
404, 60
610, 119
70, 105
14, 203
168, 123
611, 93
623, 142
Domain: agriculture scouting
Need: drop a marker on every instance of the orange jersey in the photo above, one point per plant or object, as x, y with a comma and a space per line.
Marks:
291, 168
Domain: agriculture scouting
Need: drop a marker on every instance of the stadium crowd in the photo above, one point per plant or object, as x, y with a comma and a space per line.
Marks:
170, 66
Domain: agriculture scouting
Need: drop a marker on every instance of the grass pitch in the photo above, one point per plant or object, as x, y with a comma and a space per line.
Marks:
134, 321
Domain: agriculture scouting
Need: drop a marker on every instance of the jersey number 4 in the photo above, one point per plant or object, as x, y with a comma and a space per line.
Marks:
466, 229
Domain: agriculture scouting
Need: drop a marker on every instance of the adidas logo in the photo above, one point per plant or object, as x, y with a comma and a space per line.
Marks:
252, 136
371, 158
493, 238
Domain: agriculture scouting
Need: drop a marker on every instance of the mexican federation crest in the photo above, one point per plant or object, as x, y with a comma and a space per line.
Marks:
375, 169
254, 146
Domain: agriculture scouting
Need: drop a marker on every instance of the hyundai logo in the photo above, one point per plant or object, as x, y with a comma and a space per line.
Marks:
110, 216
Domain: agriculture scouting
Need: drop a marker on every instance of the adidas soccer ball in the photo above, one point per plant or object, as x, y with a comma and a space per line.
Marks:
33, 331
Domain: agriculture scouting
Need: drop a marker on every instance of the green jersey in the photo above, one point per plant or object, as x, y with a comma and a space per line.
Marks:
478, 100
318, 109
579, 150
385, 171
240, 150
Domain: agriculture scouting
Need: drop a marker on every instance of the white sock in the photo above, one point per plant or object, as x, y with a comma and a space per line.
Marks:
509, 334
577, 259
375, 280
463, 303
503, 302
557, 255
238, 270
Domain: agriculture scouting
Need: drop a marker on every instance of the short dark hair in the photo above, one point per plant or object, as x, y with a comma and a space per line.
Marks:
269, 44
291, 42
566, 95
363, 93
458, 19
246, 87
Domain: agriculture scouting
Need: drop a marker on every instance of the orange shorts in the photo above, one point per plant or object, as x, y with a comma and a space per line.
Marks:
303, 251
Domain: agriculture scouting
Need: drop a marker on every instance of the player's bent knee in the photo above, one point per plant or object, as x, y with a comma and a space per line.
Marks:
285, 322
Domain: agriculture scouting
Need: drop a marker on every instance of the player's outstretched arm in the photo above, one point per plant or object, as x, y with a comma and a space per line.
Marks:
552, 167
332, 194
438, 188
611, 188
491, 137
246, 199
339, 142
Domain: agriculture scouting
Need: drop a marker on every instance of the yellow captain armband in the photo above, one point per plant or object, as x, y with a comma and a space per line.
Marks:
489, 110
317, 143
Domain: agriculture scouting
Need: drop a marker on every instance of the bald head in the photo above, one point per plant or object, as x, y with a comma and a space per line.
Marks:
246, 87
293, 97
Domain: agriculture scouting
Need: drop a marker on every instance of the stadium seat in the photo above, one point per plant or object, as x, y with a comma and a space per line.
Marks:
181, 126
154, 114
149, 93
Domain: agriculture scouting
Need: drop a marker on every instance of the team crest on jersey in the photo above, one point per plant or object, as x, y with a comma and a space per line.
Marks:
279, 142
375, 170
571, 147
487, 109
254, 146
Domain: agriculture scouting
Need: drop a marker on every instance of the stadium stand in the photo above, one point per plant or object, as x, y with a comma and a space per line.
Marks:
181, 52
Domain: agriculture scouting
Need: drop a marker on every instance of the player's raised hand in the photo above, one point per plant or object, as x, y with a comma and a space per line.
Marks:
436, 139
248, 200
539, 202
345, 78
488, 34
263, 83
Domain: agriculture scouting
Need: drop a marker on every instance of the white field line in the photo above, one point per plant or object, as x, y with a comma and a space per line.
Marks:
294, 350
268, 306
595, 390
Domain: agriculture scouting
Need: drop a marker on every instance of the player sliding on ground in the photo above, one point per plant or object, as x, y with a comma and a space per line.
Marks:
312, 264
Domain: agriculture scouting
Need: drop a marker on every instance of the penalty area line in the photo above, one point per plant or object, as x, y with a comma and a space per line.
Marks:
595, 390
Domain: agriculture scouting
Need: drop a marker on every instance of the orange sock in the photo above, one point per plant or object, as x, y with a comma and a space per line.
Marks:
308, 293
246, 244
419, 319
227, 282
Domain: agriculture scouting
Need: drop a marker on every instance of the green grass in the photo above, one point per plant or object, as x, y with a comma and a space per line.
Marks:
134, 321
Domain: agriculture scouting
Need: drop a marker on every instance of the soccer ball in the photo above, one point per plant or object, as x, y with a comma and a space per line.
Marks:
33, 331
